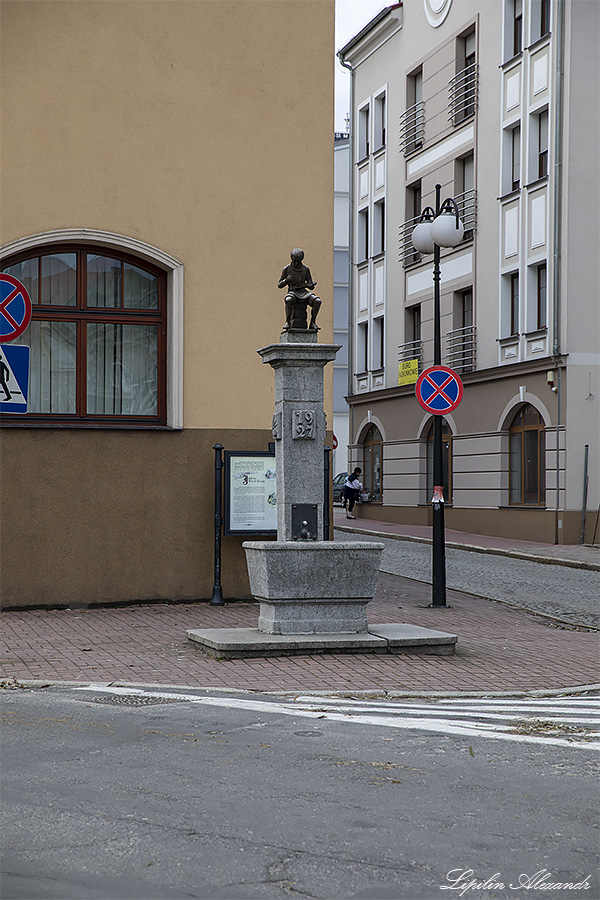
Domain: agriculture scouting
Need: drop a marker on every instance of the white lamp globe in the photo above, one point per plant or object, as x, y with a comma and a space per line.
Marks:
445, 231
422, 239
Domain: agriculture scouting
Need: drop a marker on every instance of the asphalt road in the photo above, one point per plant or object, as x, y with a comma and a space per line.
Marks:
116, 798
568, 593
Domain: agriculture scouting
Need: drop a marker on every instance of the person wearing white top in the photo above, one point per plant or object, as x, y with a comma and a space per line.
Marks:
352, 488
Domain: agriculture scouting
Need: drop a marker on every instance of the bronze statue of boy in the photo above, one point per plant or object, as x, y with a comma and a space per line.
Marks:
298, 280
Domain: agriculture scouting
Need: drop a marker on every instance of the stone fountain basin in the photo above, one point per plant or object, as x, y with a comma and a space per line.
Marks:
313, 570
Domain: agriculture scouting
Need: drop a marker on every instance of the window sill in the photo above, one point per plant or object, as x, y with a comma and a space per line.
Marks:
535, 45
513, 59
509, 339
538, 332
511, 195
91, 426
531, 185
361, 162
378, 256
541, 506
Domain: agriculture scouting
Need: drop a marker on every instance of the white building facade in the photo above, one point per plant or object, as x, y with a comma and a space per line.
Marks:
341, 299
496, 102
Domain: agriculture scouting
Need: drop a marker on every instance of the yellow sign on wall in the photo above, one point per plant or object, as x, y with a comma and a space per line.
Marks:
408, 371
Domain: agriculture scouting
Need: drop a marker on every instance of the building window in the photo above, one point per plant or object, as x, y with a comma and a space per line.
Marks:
97, 336
461, 341
412, 122
378, 227
514, 303
515, 158
463, 87
372, 463
363, 235
517, 26
446, 461
363, 132
540, 19
464, 180
362, 348
541, 296
542, 144
379, 124
527, 458
378, 343
413, 212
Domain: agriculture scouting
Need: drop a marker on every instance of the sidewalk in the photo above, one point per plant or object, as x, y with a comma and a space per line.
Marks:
575, 555
500, 648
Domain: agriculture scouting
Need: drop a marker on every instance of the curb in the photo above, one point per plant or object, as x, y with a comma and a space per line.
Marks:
472, 548
17, 684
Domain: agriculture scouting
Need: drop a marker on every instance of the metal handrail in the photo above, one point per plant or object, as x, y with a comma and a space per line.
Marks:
463, 92
412, 128
461, 346
410, 350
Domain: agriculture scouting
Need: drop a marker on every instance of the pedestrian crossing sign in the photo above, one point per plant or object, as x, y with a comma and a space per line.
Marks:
14, 378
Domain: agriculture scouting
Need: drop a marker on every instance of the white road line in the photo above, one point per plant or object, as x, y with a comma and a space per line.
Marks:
363, 716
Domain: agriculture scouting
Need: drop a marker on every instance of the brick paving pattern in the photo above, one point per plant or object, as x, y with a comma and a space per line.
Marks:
500, 648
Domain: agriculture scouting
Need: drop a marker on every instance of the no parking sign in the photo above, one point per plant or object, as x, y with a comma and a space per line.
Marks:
15, 308
439, 390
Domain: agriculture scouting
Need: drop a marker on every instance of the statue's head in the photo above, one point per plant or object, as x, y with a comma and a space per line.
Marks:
297, 255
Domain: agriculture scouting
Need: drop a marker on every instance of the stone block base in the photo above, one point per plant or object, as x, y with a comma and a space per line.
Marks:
247, 643
313, 616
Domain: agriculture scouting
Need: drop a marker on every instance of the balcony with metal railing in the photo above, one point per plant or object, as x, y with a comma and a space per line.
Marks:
463, 95
461, 349
467, 211
412, 128
411, 350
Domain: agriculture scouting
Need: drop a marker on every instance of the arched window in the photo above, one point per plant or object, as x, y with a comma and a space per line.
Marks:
372, 463
447, 461
527, 458
98, 336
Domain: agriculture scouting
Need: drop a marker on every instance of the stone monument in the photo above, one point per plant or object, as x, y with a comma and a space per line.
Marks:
312, 592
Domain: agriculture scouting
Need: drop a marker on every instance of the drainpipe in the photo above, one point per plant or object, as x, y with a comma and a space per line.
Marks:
557, 237
347, 65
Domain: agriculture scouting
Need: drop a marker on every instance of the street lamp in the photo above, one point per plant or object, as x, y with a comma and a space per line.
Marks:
436, 229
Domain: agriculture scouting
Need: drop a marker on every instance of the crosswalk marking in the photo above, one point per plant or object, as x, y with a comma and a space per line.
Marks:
570, 722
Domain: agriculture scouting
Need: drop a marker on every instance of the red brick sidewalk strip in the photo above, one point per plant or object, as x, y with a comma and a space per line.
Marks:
500, 648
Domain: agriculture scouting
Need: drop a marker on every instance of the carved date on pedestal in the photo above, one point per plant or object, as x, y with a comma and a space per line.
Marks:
303, 425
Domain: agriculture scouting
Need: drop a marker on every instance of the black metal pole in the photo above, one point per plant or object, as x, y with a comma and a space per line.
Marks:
217, 594
326, 468
439, 545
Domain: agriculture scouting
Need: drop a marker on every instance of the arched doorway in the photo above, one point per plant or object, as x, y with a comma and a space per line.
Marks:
527, 464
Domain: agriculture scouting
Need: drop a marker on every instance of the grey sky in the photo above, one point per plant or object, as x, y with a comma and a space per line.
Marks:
350, 17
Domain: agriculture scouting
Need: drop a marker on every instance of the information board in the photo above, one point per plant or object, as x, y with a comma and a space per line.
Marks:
250, 493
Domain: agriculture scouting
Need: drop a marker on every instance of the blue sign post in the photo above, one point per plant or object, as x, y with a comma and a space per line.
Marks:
14, 378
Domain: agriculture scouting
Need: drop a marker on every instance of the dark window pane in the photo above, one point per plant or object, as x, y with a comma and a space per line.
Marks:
103, 282
122, 369
515, 467
531, 467
530, 415
140, 288
27, 272
59, 280
52, 366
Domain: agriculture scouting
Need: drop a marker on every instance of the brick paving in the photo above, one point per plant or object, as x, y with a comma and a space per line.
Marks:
500, 648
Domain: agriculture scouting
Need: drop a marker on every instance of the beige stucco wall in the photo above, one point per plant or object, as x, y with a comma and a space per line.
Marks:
203, 128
